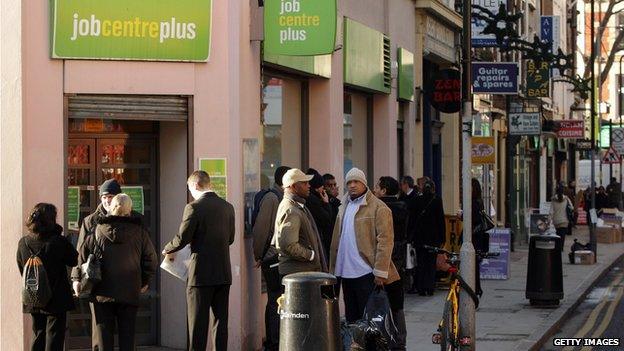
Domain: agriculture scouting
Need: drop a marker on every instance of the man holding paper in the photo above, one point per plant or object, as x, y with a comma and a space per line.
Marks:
208, 226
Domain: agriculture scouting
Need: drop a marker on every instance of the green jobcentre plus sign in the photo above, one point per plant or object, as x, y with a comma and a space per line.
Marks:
299, 27
155, 30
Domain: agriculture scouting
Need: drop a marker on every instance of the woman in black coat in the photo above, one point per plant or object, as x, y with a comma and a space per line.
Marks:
129, 263
480, 238
429, 229
45, 240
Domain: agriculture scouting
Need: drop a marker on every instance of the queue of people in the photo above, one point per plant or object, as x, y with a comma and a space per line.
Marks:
300, 224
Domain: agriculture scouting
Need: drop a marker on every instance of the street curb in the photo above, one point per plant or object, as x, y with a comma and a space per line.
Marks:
551, 325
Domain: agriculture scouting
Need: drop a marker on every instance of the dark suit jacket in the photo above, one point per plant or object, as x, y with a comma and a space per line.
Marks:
208, 225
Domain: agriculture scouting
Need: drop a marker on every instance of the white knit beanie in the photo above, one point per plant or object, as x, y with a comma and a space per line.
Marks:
356, 174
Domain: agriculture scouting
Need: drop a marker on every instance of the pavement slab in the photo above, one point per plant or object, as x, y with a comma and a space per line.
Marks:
505, 319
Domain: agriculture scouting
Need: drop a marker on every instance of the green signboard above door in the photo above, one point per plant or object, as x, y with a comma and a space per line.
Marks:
155, 30
299, 27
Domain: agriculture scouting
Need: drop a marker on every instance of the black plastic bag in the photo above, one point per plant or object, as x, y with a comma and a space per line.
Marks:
358, 336
378, 314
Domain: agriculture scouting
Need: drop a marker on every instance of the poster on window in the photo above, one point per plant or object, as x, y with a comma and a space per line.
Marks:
137, 196
73, 207
217, 170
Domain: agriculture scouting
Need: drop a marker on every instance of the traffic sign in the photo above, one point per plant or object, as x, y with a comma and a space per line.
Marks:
617, 140
611, 156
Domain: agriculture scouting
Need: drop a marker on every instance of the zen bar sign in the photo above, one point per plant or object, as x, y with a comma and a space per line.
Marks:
299, 27
163, 30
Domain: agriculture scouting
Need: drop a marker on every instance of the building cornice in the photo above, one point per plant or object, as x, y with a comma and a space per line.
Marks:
440, 11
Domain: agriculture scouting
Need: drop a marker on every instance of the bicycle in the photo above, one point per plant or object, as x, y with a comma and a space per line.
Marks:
447, 335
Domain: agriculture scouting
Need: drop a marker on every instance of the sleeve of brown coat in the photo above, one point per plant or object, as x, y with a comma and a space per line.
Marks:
384, 233
288, 237
265, 222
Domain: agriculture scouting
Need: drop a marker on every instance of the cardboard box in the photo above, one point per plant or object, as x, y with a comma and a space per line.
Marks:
584, 257
608, 235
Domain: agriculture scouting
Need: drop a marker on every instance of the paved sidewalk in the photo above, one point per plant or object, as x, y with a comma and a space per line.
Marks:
505, 320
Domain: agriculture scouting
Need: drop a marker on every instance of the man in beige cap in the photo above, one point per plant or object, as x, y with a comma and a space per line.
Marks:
361, 250
296, 235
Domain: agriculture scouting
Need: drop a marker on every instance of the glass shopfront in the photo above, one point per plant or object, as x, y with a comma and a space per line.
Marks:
284, 125
357, 124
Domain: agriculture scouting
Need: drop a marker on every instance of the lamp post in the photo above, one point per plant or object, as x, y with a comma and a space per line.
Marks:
621, 205
467, 253
592, 63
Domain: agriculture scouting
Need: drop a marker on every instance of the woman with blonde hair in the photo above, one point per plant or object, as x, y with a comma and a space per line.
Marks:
128, 263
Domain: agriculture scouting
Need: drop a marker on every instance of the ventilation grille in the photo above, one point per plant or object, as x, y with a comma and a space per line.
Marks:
387, 63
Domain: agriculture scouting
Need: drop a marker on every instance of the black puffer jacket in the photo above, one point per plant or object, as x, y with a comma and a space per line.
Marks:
129, 260
429, 224
57, 253
400, 219
322, 213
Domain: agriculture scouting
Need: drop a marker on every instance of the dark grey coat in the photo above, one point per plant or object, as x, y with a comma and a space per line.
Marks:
129, 260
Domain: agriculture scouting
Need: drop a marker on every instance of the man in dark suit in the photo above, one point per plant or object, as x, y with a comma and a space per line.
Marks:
208, 226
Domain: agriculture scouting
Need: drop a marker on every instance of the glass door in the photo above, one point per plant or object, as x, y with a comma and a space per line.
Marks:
132, 161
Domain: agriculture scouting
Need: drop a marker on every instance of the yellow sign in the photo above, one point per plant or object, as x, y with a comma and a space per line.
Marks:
483, 151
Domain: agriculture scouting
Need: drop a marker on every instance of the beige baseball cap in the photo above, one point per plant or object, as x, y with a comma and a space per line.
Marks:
293, 176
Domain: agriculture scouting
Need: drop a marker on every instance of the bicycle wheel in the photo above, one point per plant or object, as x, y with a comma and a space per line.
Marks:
448, 325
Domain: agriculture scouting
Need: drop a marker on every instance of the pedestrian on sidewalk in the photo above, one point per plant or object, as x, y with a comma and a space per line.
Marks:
407, 189
430, 230
45, 240
321, 209
361, 250
387, 190
480, 238
266, 256
129, 262
560, 209
333, 191
108, 190
296, 235
208, 225
613, 193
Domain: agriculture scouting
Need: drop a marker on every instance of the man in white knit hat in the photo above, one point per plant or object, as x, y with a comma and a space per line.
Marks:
361, 250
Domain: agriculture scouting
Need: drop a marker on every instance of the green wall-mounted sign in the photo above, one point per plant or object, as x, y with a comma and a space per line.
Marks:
299, 27
366, 56
155, 30
406, 75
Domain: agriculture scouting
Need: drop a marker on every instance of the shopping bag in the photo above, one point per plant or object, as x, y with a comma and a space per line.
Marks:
410, 262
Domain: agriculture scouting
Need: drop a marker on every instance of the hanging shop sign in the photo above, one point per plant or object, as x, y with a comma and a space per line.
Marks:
495, 78
164, 30
137, 196
299, 27
583, 145
538, 79
570, 129
73, 207
444, 91
550, 32
525, 123
483, 151
478, 38
217, 170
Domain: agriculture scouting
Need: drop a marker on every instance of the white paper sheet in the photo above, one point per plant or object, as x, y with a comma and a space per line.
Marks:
179, 267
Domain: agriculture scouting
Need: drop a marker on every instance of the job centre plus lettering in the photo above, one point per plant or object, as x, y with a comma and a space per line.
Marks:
291, 16
92, 26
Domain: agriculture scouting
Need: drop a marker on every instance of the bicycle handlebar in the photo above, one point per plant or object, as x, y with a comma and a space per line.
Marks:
478, 253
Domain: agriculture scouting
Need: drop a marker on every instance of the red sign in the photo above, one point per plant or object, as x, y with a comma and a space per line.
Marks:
570, 129
444, 91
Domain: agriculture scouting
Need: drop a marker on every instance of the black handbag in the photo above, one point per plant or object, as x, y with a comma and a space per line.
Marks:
485, 223
91, 272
